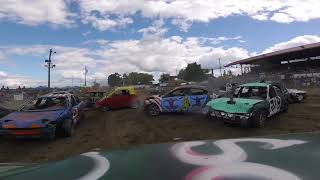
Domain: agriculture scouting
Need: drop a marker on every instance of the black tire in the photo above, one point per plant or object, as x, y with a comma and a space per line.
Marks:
76, 116
259, 119
153, 110
68, 127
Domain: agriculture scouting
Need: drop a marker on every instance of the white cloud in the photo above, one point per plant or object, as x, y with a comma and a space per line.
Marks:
297, 41
113, 14
36, 12
155, 30
106, 23
219, 40
150, 55
282, 18
15, 80
184, 12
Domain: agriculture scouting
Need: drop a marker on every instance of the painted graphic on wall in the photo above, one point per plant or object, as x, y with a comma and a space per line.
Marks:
287, 157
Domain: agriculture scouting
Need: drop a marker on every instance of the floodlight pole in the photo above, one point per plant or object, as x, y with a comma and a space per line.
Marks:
50, 66
220, 67
85, 76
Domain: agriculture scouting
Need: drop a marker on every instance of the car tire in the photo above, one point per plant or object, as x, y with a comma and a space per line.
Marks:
68, 127
259, 119
153, 110
76, 116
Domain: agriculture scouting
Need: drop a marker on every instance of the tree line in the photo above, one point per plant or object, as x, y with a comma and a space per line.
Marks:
192, 73
132, 78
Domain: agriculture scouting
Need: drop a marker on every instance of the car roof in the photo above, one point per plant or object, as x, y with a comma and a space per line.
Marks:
131, 89
124, 88
191, 87
57, 94
255, 84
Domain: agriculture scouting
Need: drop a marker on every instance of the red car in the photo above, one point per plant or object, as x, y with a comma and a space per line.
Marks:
121, 97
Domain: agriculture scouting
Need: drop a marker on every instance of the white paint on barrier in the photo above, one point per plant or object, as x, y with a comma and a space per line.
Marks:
101, 166
230, 163
241, 170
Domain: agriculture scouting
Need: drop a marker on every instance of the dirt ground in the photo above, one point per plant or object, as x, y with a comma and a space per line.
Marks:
129, 127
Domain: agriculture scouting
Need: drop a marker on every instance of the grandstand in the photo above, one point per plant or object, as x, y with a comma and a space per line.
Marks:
301, 60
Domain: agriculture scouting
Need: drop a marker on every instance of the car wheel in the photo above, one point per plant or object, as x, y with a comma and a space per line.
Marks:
153, 110
68, 127
105, 108
76, 115
259, 119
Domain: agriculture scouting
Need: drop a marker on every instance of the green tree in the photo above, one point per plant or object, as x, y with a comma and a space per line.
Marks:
96, 85
125, 79
181, 74
164, 78
135, 78
114, 80
224, 73
193, 72
230, 73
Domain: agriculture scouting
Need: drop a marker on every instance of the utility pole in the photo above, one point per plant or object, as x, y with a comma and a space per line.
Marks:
220, 67
85, 76
72, 80
49, 66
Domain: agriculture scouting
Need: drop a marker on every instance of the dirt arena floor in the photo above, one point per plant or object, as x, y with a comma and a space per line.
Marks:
130, 127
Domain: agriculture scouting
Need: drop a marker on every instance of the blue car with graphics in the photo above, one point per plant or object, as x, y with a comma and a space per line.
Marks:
180, 99
46, 116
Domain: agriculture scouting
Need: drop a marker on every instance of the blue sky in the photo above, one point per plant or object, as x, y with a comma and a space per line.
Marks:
154, 36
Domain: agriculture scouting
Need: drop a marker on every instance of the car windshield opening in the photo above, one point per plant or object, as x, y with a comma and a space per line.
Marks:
46, 104
252, 92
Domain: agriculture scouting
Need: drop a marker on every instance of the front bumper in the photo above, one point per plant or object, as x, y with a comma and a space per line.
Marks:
28, 132
229, 117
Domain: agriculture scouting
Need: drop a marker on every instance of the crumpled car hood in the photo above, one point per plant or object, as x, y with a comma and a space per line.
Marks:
296, 91
242, 105
22, 119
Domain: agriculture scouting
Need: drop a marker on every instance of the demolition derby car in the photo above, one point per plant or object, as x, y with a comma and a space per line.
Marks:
44, 117
121, 97
250, 104
295, 95
180, 99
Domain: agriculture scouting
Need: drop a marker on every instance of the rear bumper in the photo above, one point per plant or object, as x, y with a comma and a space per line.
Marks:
28, 132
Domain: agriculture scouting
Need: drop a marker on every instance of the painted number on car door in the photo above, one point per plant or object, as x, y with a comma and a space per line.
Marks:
275, 101
173, 102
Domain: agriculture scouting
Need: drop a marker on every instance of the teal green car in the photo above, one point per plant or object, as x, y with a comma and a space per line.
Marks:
250, 104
